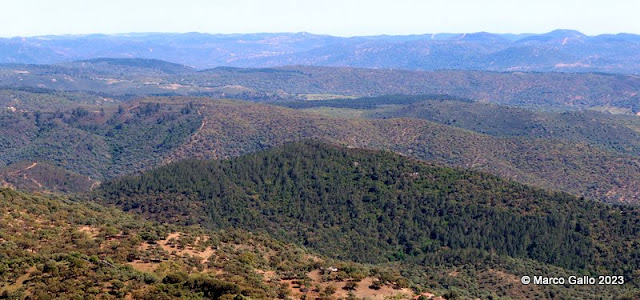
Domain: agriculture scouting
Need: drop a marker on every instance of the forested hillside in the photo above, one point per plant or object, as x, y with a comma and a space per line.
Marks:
140, 135
235, 128
39, 176
381, 207
97, 143
614, 132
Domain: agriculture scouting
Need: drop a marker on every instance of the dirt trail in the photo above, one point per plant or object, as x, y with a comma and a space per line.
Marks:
31, 166
94, 185
195, 138
22, 170
204, 122
24, 176
33, 180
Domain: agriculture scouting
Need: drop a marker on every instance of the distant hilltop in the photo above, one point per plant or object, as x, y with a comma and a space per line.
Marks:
559, 50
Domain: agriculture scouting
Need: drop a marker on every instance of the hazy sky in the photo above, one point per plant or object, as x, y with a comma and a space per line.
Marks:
335, 17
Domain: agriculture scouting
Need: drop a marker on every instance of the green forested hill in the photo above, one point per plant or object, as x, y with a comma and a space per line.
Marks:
378, 207
144, 134
52, 246
232, 128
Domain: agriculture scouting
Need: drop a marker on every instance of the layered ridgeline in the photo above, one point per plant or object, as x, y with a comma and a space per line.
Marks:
378, 207
51, 247
559, 50
139, 135
108, 79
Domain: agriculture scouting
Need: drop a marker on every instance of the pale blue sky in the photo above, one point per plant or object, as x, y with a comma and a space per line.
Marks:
334, 17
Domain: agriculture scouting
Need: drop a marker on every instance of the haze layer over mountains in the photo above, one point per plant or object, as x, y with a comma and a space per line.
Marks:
559, 50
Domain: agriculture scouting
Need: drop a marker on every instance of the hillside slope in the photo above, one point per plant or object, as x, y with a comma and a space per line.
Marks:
379, 207
54, 247
96, 143
38, 176
617, 132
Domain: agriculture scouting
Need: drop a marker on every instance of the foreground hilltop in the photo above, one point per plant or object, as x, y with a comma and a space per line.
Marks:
52, 247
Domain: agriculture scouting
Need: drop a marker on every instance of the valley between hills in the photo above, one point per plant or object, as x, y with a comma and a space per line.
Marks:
144, 179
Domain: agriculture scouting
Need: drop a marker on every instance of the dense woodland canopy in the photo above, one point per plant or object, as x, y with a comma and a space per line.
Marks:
379, 207
97, 143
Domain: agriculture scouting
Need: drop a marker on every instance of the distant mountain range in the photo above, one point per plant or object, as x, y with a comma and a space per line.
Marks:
559, 50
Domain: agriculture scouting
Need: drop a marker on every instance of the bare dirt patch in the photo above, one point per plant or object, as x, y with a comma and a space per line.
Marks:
170, 246
173, 86
144, 266
19, 281
91, 231
362, 289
